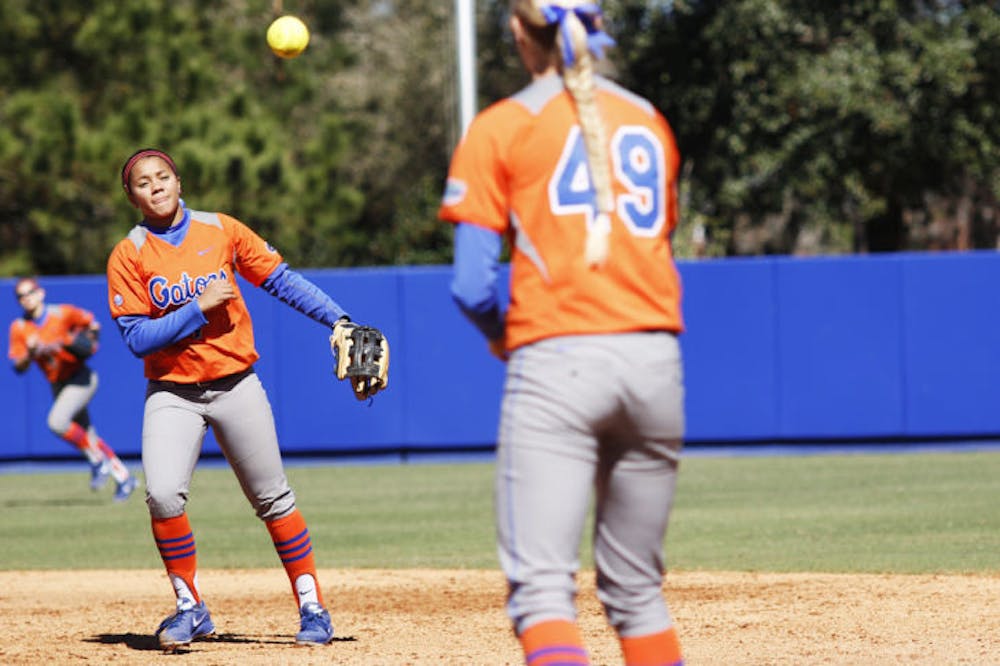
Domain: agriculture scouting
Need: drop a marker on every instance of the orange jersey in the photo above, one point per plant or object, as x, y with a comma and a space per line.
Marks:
149, 276
56, 327
521, 170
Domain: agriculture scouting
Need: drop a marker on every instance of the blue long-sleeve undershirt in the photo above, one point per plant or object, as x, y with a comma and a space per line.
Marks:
144, 335
474, 286
291, 288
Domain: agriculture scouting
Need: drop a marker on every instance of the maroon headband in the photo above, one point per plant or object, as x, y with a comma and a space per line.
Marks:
146, 152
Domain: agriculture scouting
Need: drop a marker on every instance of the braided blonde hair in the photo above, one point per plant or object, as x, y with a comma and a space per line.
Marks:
578, 77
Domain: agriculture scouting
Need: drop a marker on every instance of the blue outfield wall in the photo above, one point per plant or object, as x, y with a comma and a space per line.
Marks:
888, 347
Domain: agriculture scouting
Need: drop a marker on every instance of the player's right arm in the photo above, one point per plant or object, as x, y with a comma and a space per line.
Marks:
144, 335
475, 281
476, 201
130, 307
19, 350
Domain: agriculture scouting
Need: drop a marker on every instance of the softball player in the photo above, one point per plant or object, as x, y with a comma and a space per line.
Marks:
172, 291
41, 335
580, 175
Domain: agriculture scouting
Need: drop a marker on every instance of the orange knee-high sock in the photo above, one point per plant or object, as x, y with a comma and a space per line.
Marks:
291, 539
553, 642
175, 542
661, 649
77, 436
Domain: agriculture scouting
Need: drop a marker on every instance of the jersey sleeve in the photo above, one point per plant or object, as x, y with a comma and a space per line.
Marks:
477, 188
255, 258
17, 347
126, 294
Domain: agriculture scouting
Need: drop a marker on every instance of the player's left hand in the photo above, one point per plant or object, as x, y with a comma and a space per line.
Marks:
361, 354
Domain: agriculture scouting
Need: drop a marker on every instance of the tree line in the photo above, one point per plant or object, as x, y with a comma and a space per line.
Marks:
810, 128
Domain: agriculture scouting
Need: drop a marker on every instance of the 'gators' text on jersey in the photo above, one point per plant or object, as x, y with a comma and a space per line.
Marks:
151, 277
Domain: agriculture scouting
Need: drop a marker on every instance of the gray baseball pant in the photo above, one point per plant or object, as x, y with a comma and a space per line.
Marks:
70, 400
589, 416
175, 421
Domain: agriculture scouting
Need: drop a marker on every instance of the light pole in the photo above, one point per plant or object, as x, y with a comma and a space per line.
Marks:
465, 29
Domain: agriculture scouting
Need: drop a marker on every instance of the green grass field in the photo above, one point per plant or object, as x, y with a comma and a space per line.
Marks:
909, 513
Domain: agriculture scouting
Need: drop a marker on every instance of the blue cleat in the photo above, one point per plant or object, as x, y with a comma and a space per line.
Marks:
316, 628
99, 474
125, 488
191, 621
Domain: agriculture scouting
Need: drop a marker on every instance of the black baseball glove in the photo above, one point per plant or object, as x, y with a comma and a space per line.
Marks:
361, 354
82, 344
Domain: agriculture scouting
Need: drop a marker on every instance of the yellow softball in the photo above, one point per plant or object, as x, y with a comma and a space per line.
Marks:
287, 36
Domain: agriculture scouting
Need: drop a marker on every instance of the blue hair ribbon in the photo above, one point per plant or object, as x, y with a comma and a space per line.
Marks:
597, 39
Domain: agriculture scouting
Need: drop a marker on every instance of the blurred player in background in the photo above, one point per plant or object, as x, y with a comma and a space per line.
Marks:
580, 176
173, 293
45, 334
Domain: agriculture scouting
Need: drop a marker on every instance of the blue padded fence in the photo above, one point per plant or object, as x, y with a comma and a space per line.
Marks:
888, 347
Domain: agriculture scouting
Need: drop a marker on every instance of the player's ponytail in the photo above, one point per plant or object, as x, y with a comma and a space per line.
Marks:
579, 41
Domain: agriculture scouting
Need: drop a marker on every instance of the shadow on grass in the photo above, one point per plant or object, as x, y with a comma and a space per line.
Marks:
149, 642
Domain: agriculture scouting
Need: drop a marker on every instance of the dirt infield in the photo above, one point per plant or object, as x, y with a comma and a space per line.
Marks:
456, 617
